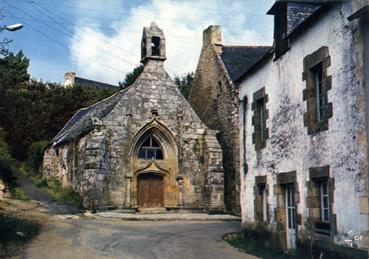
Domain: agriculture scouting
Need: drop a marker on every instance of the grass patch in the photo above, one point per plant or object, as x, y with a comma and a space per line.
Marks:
65, 195
14, 233
19, 194
255, 247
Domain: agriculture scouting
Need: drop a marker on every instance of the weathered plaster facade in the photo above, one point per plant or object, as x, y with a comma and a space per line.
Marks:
98, 151
302, 152
214, 97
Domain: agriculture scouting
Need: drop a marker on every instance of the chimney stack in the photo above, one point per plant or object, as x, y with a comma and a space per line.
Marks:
212, 35
69, 79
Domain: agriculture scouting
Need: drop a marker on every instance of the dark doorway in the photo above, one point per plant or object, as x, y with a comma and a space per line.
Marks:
150, 191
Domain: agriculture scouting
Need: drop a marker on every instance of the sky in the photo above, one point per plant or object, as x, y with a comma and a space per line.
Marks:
100, 39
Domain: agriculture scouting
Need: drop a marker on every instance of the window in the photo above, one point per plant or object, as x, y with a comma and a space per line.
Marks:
155, 46
324, 201
319, 200
320, 96
261, 117
261, 132
318, 83
150, 149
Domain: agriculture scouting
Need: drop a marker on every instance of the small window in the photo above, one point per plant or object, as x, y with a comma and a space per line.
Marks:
261, 118
324, 201
150, 149
258, 120
155, 46
319, 93
318, 83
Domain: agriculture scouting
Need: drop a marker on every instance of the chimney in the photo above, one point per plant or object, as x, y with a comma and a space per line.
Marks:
212, 35
69, 78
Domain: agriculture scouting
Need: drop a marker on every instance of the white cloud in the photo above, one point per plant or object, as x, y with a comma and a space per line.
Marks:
106, 57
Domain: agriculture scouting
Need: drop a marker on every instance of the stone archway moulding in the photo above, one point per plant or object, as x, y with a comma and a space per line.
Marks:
161, 132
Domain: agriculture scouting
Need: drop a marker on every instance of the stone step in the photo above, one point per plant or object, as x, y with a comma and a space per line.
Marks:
152, 210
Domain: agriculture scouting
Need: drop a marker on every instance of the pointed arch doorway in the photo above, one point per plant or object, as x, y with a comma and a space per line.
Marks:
150, 190
154, 168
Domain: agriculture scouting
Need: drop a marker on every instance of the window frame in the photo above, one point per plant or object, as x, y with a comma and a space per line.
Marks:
319, 92
259, 119
319, 179
151, 148
324, 207
318, 109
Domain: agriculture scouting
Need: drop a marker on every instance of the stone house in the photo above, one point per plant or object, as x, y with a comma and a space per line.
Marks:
304, 130
143, 147
70, 79
214, 97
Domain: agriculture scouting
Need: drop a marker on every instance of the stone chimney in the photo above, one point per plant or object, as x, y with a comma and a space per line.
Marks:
69, 79
212, 35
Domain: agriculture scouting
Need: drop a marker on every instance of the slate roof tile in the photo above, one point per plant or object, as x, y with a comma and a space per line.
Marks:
238, 59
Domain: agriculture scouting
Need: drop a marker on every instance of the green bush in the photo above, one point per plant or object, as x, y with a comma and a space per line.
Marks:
41, 183
19, 194
65, 195
6, 160
68, 196
35, 155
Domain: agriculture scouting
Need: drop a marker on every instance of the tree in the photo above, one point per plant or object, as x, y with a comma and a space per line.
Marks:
13, 70
31, 110
131, 77
184, 83
4, 43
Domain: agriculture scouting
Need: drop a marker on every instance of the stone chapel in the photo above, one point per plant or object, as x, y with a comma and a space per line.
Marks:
143, 147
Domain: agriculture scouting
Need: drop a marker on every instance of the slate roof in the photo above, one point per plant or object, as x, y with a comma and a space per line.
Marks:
298, 13
84, 81
238, 59
82, 120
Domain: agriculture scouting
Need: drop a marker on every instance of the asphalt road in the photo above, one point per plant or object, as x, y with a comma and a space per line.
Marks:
114, 238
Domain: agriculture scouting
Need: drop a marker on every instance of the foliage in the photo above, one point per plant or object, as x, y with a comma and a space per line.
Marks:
41, 183
254, 245
15, 232
65, 195
35, 155
184, 83
19, 194
13, 70
6, 161
31, 111
131, 77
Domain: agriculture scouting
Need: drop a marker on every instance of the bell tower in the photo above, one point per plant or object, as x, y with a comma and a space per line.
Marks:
152, 44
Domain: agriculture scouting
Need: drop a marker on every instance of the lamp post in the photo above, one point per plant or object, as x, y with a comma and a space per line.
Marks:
13, 27
4, 43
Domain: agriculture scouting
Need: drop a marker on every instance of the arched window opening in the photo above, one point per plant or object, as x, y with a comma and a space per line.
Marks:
150, 149
155, 46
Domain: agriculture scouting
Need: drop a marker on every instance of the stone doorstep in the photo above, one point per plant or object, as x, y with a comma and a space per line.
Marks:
152, 210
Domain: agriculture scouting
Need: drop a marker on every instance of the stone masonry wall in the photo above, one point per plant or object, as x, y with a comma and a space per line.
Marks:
108, 166
216, 102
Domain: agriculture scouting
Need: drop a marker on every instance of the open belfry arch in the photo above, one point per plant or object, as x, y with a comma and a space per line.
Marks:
143, 147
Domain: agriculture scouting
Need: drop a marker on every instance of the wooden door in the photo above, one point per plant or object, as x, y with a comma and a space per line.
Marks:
150, 191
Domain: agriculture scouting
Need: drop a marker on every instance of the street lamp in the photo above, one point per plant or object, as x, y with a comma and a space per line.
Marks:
13, 27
